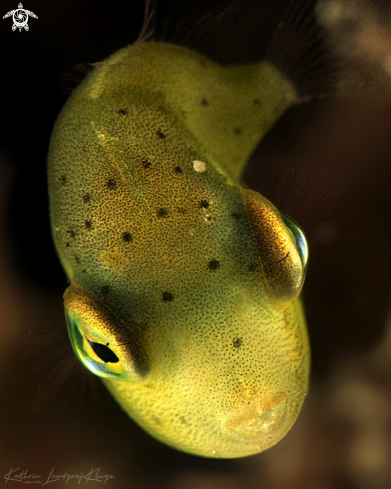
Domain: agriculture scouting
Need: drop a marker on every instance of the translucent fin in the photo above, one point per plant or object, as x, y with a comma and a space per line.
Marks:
62, 379
358, 33
148, 28
298, 50
322, 47
73, 77
217, 33
299, 197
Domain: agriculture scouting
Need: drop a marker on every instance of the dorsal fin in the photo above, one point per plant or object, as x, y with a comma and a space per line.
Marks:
73, 77
216, 33
149, 25
323, 52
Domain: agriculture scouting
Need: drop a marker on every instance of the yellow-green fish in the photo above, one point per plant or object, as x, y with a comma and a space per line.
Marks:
184, 292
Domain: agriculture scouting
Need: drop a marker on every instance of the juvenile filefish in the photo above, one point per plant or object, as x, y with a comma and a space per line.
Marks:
184, 292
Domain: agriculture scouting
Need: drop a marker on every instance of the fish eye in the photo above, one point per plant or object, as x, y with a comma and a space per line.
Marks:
93, 331
97, 357
299, 239
281, 245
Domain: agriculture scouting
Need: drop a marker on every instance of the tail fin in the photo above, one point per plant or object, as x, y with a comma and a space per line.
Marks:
358, 33
331, 48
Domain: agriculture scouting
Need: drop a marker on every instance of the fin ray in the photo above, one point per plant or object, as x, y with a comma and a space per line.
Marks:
62, 380
300, 197
313, 51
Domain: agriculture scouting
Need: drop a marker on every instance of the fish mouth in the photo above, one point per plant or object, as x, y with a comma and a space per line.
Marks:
263, 419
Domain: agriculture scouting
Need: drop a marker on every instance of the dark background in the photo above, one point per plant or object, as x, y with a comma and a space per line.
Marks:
343, 436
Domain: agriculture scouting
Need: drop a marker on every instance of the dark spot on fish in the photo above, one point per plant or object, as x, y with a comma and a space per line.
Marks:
86, 198
178, 169
123, 111
214, 264
181, 210
257, 103
237, 130
160, 134
103, 352
204, 102
105, 289
182, 420
111, 184
67, 245
146, 163
236, 215
71, 233
252, 267
162, 213
88, 224
83, 271
237, 343
63, 179
204, 204
127, 237
77, 259
167, 297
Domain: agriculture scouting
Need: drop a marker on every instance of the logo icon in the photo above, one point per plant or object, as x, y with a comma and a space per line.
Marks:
20, 16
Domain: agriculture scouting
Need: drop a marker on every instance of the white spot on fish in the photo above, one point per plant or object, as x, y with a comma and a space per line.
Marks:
199, 166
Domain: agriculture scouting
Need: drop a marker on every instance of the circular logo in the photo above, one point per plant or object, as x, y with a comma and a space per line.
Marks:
20, 19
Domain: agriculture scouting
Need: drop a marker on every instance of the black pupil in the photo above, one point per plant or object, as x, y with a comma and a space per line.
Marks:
103, 352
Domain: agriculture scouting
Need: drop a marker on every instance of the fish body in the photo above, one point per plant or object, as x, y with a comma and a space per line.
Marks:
184, 285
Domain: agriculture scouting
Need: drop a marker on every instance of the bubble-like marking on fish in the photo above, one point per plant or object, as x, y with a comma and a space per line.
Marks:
199, 166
